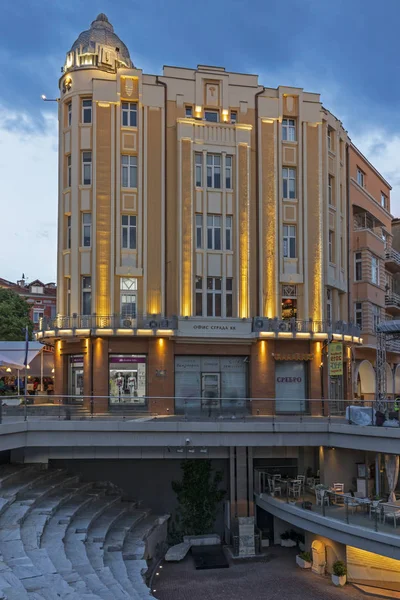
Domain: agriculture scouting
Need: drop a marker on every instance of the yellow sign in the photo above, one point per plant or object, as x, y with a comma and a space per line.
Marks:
336, 358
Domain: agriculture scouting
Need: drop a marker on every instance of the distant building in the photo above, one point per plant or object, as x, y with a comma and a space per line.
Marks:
40, 296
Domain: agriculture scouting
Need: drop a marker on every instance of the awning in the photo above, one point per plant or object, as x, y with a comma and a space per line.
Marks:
14, 352
389, 327
5, 363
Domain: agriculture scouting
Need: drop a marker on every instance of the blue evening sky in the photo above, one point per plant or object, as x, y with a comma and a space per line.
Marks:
344, 49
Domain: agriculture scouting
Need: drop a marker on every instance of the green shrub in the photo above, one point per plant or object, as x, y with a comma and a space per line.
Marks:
339, 568
306, 556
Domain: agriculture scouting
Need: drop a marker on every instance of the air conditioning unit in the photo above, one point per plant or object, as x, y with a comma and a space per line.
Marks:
128, 322
284, 326
164, 324
151, 324
259, 324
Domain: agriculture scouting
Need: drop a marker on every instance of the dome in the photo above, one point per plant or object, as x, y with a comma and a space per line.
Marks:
102, 32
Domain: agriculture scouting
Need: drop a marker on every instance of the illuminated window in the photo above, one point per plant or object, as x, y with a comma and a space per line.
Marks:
87, 111
86, 286
228, 172
129, 171
69, 171
129, 114
375, 270
289, 130
69, 114
68, 240
199, 169
360, 177
128, 288
228, 233
214, 296
289, 183
358, 266
358, 314
213, 232
86, 230
199, 231
128, 232
199, 296
229, 297
289, 241
214, 171
211, 115
86, 168
189, 111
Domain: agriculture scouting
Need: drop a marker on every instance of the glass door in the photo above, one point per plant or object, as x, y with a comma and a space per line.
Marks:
210, 391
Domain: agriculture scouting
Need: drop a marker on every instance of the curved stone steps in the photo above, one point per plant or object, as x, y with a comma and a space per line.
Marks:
12, 473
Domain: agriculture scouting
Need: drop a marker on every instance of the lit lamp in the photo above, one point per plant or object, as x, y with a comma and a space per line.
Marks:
8, 370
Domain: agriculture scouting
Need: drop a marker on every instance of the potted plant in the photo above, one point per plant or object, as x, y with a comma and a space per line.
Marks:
339, 573
303, 560
287, 539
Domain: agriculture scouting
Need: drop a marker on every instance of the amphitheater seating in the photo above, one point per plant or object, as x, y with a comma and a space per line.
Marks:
61, 538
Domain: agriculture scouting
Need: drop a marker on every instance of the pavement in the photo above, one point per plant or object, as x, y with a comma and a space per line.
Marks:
275, 578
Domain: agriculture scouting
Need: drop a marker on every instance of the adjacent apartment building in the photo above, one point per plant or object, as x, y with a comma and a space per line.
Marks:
203, 239
40, 296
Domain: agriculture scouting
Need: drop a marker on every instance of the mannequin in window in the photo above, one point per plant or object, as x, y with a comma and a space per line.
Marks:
132, 385
120, 382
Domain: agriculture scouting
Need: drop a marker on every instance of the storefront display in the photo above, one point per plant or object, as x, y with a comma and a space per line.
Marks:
75, 376
290, 386
127, 379
210, 383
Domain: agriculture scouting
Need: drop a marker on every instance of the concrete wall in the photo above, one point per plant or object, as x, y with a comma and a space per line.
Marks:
339, 465
334, 550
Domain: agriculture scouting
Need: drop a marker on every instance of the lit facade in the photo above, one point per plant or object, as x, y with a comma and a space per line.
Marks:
202, 229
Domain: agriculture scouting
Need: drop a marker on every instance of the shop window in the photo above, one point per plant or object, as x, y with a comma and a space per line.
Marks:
127, 374
75, 376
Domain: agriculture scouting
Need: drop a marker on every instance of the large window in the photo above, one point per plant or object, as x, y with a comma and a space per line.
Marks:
127, 375
128, 289
358, 314
128, 232
289, 130
214, 232
228, 233
86, 230
86, 285
199, 231
69, 171
289, 183
375, 270
199, 169
214, 296
68, 236
214, 171
289, 241
199, 296
228, 172
360, 177
87, 111
358, 266
86, 168
129, 171
129, 114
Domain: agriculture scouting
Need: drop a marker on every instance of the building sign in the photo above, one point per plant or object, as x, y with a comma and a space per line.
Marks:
296, 356
335, 358
232, 328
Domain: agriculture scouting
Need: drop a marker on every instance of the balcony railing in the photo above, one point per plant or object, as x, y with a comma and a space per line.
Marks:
392, 301
365, 221
295, 326
112, 322
392, 259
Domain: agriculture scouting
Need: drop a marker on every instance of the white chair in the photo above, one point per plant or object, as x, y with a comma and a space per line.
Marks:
310, 481
277, 488
391, 511
302, 479
295, 489
352, 503
320, 497
338, 487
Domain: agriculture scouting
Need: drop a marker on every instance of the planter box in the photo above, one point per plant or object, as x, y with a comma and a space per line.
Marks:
288, 543
302, 563
339, 581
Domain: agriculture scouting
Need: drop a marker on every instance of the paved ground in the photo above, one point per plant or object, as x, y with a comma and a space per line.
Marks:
277, 578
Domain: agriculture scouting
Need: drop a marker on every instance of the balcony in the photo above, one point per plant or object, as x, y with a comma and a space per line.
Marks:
392, 303
392, 260
365, 221
84, 325
306, 329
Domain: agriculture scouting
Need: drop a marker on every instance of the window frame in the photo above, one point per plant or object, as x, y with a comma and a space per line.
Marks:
329, 139
376, 316
228, 295
329, 306
289, 241
384, 199
88, 228
86, 294
374, 270
214, 232
210, 111
69, 170
213, 171
358, 263
198, 223
233, 117
331, 247
228, 232
39, 313
358, 316
129, 110
87, 108
288, 130
129, 169
215, 295
289, 176
69, 113
129, 228
198, 169
128, 292
188, 111
331, 190
198, 291
68, 233
87, 164
360, 177
228, 172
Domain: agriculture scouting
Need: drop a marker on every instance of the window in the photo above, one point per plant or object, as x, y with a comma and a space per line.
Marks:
228, 233
331, 190
214, 171
358, 314
199, 296
383, 200
86, 168
228, 172
214, 296
68, 246
68, 296
86, 230
331, 246
86, 295
199, 169
329, 305
211, 115
128, 232
213, 232
341, 252
341, 198
289, 241
69, 114
86, 111
128, 288
233, 116
189, 111
199, 231
37, 289
37, 315
376, 313
357, 266
375, 270
289, 183
129, 114
229, 297
330, 139
129, 171
288, 130
360, 177
69, 171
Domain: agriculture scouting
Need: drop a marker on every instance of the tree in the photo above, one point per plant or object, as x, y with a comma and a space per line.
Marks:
198, 496
14, 317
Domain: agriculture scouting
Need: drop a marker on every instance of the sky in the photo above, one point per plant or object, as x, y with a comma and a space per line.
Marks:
344, 49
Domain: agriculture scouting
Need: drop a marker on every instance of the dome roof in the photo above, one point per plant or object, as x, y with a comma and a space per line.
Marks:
102, 32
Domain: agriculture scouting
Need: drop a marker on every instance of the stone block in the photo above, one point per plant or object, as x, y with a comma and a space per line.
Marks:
178, 552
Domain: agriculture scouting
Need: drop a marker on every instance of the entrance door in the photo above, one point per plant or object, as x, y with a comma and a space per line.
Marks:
290, 386
210, 390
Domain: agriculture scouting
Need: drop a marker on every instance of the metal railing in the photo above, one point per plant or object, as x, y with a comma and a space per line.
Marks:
392, 299
391, 255
116, 321
365, 221
305, 326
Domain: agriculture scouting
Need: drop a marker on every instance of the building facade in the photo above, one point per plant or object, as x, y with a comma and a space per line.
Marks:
202, 237
40, 296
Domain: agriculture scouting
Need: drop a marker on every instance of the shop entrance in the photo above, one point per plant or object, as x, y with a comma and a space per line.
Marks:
290, 386
210, 390
75, 378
